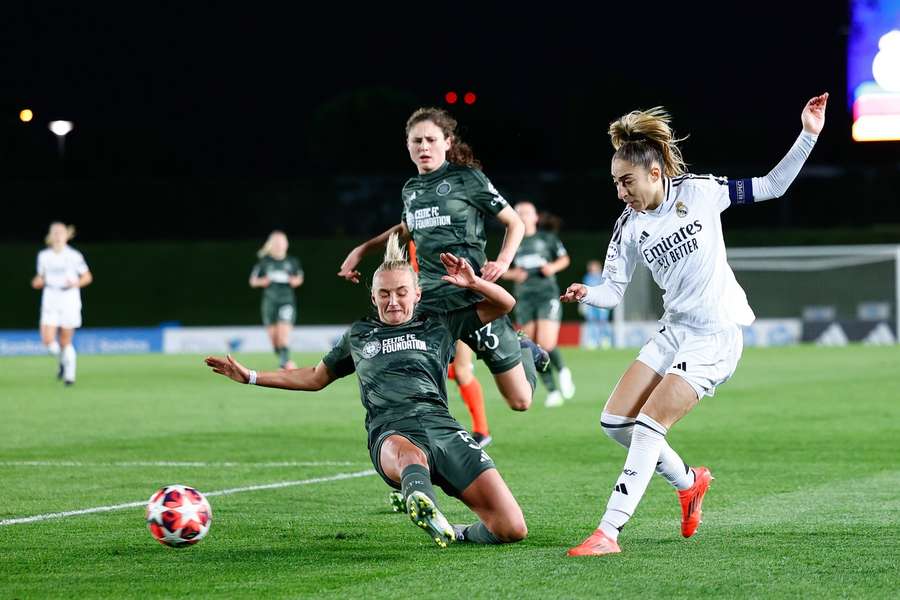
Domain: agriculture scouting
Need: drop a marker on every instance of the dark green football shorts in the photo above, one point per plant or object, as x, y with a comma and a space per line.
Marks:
496, 344
454, 458
278, 312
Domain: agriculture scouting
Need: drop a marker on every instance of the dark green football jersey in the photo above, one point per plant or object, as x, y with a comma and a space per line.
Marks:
534, 252
444, 211
279, 273
402, 369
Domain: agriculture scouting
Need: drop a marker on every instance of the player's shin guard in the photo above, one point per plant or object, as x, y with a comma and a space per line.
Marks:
647, 440
669, 466
417, 478
473, 396
68, 363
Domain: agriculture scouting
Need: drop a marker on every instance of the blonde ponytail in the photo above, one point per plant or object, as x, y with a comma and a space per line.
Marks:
395, 260
643, 137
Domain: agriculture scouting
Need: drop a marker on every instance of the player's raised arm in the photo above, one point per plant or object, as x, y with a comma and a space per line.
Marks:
515, 231
497, 301
348, 267
308, 379
777, 181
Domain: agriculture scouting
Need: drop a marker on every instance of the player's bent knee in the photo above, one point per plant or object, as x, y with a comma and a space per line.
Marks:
513, 530
519, 403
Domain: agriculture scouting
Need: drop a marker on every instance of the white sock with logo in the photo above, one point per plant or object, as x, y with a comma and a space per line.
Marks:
647, 441
53, 348
669, 466
68, 362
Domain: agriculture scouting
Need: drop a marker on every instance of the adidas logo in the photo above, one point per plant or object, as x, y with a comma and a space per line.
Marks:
620, 487
644, 236
682, 366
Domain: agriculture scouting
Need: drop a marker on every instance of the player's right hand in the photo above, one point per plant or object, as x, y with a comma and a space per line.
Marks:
348, 267
574, 293
228, 367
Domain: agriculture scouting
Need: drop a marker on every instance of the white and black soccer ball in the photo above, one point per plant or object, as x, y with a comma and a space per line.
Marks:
178, 515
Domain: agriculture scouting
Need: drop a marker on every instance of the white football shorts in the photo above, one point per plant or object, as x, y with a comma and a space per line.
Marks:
61, 310
704, 360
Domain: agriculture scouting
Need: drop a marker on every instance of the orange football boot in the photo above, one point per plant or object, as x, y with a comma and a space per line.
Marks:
692, 501
597, 544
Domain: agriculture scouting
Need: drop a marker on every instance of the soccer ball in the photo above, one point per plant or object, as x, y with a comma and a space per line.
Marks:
178, 515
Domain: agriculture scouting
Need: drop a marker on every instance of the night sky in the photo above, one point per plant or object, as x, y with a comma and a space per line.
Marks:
258, 92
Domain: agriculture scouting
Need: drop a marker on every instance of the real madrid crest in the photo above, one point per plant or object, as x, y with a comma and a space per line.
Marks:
443, 188
371, 349
681, 209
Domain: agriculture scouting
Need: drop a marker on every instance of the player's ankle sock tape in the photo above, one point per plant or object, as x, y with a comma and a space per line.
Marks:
480, 534
417, 478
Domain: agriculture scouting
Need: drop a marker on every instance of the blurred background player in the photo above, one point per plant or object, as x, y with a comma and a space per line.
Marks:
400, 359
469, 387
61, 273
597, 330
279, 275
672, 225
538, 311
444, 208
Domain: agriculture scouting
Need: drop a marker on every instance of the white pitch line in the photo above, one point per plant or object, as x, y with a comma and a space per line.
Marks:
200, 464
237, 490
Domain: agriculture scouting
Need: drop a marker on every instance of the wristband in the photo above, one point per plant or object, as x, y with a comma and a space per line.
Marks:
252, 380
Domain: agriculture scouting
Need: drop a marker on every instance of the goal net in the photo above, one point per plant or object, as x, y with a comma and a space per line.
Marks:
822, 294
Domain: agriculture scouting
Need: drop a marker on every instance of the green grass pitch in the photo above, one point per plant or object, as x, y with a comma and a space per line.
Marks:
803, 442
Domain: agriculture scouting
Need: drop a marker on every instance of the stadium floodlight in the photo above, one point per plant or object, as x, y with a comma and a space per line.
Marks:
60, 129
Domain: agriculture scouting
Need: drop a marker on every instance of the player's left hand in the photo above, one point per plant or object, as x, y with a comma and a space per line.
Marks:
229, 368
493, 269
459, 272
813, 116
547, 270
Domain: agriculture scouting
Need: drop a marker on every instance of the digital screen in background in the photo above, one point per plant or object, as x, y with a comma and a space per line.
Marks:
873, 70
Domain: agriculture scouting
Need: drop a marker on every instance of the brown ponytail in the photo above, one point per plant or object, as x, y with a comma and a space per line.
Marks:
460, 153
644, 137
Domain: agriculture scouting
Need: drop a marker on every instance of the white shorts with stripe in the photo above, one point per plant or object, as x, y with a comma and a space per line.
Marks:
704, 360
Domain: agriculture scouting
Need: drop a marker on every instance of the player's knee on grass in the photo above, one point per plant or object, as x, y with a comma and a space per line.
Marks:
510, 528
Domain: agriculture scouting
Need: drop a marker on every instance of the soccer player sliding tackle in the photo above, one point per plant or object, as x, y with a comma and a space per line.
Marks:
400, 359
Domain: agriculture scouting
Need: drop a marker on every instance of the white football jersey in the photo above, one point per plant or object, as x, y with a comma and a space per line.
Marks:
60, 269
681, 243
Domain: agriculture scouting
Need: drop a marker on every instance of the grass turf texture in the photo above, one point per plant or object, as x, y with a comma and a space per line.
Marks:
803, 443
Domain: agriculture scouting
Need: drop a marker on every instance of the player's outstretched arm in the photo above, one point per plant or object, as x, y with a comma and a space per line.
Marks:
307, 379
497, 301
348, 267
606, 295
777, 181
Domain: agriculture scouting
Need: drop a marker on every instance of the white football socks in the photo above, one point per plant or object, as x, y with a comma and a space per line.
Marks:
670, 466
53, 348
68, 362
647, 441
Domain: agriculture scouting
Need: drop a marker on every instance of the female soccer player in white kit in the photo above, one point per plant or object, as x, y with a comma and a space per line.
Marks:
61, 273
672, 225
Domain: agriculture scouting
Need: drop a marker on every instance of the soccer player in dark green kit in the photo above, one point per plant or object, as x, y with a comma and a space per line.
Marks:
444, 208
538, 311
279, 275
400, 359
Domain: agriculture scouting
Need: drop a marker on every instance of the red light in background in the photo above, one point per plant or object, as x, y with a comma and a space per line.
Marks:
451, 97
470, 98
